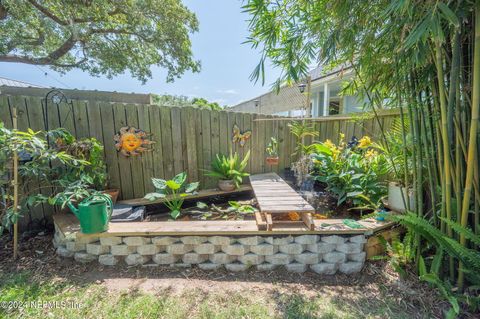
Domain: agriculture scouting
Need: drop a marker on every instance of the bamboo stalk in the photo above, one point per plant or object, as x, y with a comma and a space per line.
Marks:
472, 144
444, 131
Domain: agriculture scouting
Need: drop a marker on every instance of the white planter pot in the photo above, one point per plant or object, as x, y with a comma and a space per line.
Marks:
395, 200
226, 185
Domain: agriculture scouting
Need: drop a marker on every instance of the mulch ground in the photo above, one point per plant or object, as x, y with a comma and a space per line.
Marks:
37, 255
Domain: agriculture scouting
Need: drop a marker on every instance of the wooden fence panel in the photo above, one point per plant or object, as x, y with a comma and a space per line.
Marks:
136, 167
186, 139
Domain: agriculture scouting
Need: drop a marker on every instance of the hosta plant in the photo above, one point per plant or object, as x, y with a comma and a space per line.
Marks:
173, 192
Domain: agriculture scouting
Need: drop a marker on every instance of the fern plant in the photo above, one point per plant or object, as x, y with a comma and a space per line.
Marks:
400, 253
470, 258
444, 287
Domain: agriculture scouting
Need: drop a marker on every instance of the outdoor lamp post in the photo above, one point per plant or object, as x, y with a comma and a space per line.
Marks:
302, 87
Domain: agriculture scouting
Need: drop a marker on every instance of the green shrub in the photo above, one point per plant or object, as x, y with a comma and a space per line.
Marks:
352, 172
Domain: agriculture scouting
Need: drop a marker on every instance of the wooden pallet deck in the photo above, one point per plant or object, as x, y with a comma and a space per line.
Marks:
275, 196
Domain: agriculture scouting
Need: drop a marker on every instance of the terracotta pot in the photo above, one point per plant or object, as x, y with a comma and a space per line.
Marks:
272, 160
395, 199
113, 193
226, 185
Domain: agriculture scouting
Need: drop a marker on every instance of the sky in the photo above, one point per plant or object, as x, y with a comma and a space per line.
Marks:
226, 62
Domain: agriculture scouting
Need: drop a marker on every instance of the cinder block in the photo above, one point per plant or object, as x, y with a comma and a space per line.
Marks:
110, 241
351, 267
333, 239
308, 258
88, 239
206, 249
221, 240
235, 249
291, 249
179, 249
251, 259
359, 239
108, 260
279, 259
335, 257
97, 249
321, 248
264, 249
222, 258
236, 267
250, 240
181, 265
296, 267
74, 246
136, 259
193, 240
165, 259
59, 240
136, 241
284, 240
62, 251
324, 268
193, 258
149, 249
306, 239
83, 257
122, 250
350, 248
164, 240
360, 257
209, 266
266, 267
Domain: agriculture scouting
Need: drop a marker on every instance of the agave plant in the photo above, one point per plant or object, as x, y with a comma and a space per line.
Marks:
229, 168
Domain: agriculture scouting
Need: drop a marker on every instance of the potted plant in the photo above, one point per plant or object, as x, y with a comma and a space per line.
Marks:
90, 150
229, 170
272, 152
401, 196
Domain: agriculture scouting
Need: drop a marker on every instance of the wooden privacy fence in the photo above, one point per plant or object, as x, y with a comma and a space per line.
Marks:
186, 139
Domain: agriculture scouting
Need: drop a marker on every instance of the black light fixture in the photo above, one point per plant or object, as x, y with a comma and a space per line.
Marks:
302, 87
257, 102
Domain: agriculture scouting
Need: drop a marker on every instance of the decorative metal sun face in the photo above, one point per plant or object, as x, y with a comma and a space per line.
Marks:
131, 141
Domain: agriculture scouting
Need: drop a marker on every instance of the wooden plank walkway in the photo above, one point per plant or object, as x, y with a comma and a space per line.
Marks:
275, 196
68, 224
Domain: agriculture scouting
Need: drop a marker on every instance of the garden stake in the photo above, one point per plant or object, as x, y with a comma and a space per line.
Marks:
15, 190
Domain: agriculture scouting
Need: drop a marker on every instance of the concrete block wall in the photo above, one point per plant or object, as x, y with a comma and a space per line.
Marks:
326, 254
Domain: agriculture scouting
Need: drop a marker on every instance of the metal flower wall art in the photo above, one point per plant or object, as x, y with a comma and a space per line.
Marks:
131, 141
240, 137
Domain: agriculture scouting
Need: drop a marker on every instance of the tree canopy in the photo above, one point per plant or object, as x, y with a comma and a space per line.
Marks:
101, 37
181, 100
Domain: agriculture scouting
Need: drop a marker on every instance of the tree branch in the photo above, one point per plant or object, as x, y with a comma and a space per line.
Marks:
63, 49
46, 12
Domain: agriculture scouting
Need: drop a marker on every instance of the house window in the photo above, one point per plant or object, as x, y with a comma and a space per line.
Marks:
334, 107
